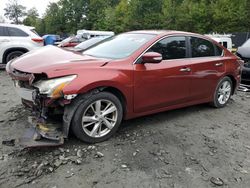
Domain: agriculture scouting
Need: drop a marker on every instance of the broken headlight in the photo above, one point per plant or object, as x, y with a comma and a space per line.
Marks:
53, 87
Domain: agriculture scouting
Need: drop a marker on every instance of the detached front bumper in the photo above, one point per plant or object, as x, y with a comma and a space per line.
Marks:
42, 135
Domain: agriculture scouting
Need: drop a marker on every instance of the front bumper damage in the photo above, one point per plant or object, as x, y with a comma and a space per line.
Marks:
45, 130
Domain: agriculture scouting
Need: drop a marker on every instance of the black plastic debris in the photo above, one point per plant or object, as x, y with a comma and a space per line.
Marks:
9, 142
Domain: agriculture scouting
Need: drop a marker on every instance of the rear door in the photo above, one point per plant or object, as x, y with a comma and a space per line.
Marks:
4, 41
164, 84
208, 65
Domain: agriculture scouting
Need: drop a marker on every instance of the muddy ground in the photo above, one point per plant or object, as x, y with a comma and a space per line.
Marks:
192, 147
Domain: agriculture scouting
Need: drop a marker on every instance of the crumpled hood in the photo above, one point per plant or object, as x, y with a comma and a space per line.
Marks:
50, 59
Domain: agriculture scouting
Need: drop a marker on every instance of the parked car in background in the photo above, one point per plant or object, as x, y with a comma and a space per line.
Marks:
51, 39
89, 43
244, 53
71, 41
126, 76
16, 40
87, 34
83, 35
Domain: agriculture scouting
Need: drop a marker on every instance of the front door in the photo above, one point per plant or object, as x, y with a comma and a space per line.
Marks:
167, 83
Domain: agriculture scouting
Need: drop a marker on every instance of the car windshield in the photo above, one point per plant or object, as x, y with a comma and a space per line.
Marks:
120, 46
246, 44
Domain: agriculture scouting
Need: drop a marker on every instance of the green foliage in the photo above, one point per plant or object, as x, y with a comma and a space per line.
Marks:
195, 17
202, 16
14, 11
31, 17
229, 16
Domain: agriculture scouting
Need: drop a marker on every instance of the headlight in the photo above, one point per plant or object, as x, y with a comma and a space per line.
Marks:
53, 87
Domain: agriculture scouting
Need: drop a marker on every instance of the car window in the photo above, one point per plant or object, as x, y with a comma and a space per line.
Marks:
120, 46
171, 48
34, 31
219, 50
3, 32
202, 48
15, 32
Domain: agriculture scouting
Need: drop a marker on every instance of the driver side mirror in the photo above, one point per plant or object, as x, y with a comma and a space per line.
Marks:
151, 57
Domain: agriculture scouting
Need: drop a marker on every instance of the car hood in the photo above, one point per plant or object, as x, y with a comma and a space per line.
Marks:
244, 52
51, 59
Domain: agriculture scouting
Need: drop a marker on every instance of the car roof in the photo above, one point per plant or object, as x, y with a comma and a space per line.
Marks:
16, 26
161, 32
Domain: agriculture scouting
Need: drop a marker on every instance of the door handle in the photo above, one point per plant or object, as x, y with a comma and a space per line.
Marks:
219, 64
185, 69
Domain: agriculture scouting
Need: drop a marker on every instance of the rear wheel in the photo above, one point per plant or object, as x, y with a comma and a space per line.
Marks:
223, 92
13, 55
97, 118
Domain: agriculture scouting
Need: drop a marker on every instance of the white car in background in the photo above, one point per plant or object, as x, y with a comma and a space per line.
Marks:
16, 40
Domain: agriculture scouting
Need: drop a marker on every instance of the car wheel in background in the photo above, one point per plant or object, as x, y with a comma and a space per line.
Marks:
223, 92
13, 55
97, 118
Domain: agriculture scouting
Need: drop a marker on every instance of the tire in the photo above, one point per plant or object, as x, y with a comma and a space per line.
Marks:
13, 55
90, 124
223, 92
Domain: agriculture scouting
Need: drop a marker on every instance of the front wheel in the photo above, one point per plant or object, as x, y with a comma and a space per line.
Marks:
97, 118
223, 92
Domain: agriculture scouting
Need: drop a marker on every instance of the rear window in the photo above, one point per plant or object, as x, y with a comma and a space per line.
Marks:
3, 32
34, 31
15, 32
202, 48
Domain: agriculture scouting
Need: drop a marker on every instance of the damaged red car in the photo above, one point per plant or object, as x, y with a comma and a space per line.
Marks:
129, 75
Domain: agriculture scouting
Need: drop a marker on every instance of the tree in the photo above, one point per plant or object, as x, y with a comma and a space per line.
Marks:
32, 17
195, 16
202, 16
146, 14
248, 14
14, 11
52, 19
73, 13
229, 16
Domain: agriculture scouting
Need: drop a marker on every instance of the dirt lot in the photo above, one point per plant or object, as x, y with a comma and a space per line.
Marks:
192, 147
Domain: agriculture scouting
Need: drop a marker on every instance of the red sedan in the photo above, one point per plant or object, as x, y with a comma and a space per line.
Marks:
129, 75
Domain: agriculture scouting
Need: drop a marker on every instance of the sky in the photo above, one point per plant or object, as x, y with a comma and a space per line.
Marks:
40, 5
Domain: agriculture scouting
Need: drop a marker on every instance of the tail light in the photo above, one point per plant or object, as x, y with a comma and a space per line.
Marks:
38, 40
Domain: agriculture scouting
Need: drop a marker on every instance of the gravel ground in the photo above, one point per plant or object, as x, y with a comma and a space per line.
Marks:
192, 147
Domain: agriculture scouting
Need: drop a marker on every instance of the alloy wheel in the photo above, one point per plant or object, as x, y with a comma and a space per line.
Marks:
224, 92
99, 118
